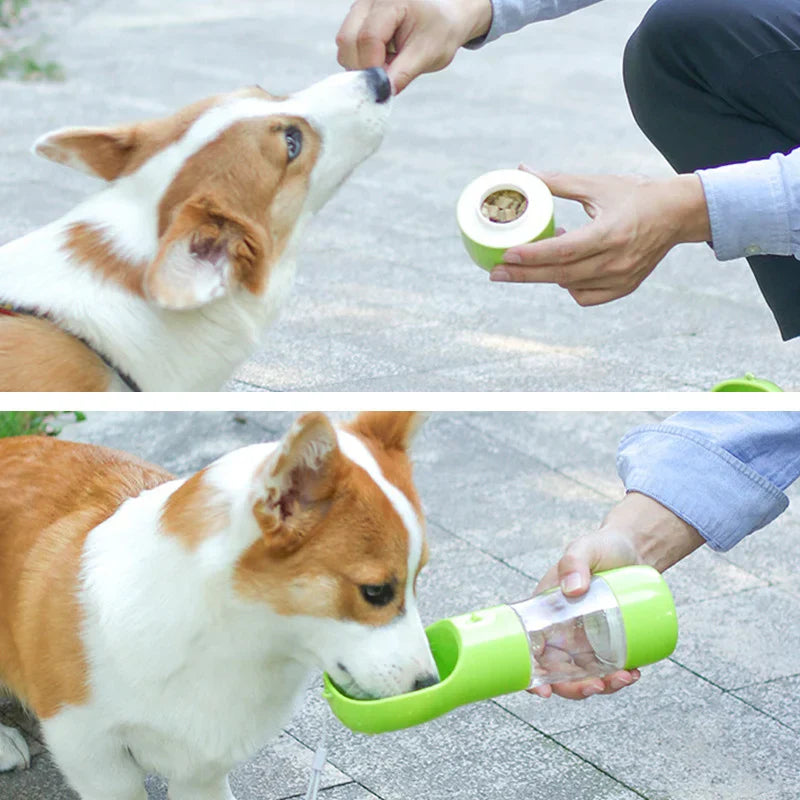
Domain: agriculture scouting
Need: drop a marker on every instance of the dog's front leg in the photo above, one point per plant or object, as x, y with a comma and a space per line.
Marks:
14, 753
95, 763
218, 789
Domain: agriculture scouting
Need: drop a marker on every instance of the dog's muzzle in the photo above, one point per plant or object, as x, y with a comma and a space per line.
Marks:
379, 84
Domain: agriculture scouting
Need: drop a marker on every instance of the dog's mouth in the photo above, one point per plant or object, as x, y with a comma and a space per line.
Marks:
348, 685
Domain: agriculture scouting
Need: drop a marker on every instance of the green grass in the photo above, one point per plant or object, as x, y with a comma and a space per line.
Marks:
19, 61
24, 63
10, 11
41, 423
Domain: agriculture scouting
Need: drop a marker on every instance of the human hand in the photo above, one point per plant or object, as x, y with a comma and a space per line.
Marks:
636, 221
638, 530
409, 37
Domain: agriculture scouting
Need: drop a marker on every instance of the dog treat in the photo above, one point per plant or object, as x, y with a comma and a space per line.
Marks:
504, 205
500, 209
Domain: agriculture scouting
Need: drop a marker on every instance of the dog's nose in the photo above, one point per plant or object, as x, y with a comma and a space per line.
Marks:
425, 680
379, 84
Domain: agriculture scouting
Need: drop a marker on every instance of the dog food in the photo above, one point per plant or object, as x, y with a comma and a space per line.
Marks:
504, 205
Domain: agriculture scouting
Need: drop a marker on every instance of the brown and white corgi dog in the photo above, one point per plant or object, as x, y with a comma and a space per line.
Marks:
166, 279
170, 626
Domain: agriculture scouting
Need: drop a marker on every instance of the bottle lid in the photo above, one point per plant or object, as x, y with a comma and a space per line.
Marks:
749, 383
479, 655
648, 613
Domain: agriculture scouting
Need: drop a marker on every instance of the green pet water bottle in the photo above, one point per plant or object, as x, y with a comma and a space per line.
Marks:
626, 619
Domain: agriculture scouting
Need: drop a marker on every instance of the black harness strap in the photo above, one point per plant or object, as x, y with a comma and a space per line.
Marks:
12, 310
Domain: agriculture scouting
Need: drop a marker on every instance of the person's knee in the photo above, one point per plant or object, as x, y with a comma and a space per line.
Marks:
674, 34
660, 55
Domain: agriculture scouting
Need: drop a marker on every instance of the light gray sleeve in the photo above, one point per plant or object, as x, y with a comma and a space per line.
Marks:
511, 15
754, 208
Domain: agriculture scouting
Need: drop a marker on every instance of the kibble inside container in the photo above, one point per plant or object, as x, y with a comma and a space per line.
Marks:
504, 205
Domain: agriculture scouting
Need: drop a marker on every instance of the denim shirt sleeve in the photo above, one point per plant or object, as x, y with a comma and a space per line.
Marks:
511, 15
723, 473
754, 207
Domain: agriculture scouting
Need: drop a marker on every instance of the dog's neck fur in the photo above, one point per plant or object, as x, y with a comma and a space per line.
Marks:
161, 350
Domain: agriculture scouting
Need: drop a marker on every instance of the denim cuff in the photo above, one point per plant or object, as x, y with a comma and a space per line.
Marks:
703, 484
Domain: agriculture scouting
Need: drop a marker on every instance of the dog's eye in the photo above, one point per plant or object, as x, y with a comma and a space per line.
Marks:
380, 595
294, 142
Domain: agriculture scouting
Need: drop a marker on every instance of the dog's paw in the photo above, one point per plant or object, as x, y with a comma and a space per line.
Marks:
14, 753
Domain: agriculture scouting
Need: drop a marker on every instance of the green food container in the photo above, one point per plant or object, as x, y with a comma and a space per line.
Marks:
749, 383
488, 230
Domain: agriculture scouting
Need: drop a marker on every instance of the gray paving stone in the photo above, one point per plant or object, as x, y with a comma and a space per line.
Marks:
182, 442
277, 771
162, 437
705, 575
459, 578
733, 641
42, 781
772, 553
665, 685
452, 455
445, 758
779, 698
349, 791
534, 509
586, 452
720, 750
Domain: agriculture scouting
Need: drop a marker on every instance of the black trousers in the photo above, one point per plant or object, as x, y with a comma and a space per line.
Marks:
714, 82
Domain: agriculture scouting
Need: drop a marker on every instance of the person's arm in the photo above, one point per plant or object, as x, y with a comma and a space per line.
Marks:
410, 37
741, 209
754, 208
722, 473
636, 221
638, 530
512, 15
695, 478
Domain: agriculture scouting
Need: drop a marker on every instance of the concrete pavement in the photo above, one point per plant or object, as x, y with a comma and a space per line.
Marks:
503, 493
385, 298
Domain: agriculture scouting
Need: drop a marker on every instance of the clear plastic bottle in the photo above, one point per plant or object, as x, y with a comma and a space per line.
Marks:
591, 635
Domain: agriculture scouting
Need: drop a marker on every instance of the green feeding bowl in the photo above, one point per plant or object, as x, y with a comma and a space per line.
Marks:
749, 383
480, 655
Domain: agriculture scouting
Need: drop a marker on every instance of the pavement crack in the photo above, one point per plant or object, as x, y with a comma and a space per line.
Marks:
573, 752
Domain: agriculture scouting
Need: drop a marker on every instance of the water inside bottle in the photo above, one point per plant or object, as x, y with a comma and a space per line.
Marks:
573, 639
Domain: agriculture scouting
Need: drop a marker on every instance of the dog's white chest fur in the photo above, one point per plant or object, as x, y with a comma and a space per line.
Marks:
188, 676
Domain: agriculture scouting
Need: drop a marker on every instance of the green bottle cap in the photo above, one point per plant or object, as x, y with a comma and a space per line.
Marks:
749, 383
479, 655
648, 613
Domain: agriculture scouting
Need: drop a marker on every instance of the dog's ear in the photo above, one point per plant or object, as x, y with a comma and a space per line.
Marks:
395, 430
295, 485
101, 152
206, 250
